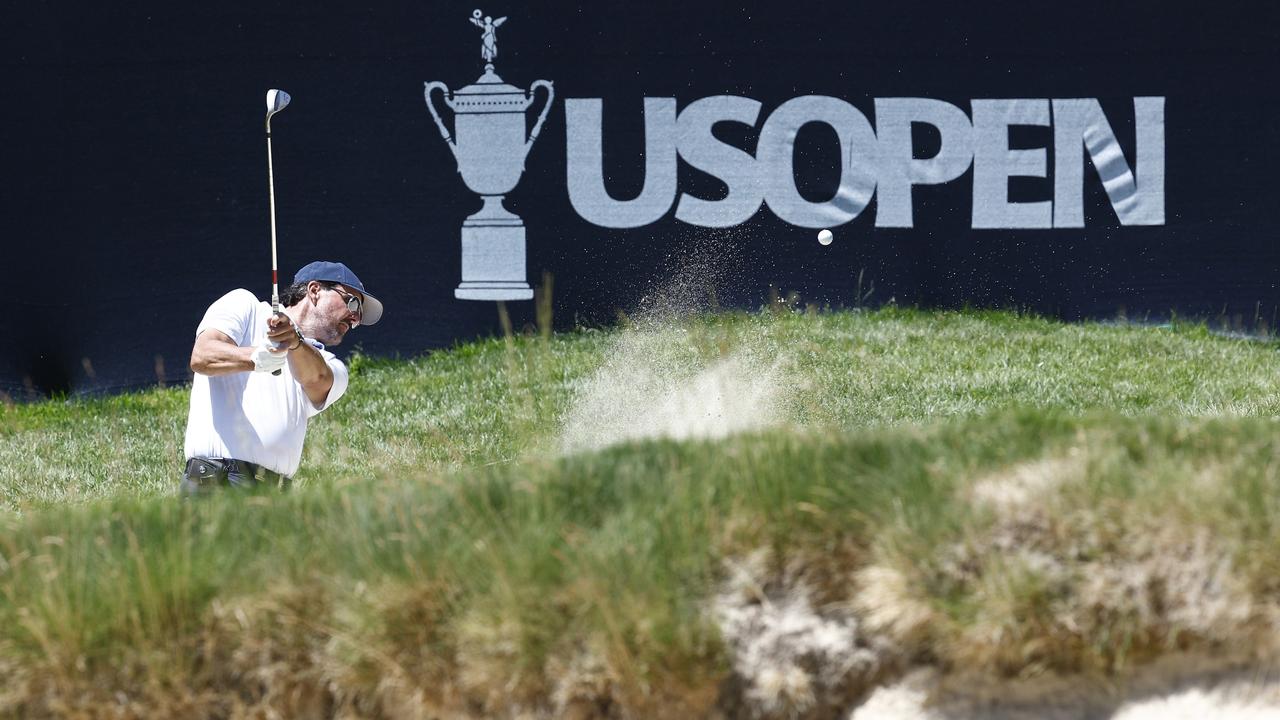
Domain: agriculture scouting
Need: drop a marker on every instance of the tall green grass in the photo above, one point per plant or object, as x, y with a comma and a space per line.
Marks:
443, 554
474, 588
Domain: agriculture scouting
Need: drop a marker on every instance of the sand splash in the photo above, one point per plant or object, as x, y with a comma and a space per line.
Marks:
663, 377
654, 384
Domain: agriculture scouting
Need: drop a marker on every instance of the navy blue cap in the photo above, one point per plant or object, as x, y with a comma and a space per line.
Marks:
325, 271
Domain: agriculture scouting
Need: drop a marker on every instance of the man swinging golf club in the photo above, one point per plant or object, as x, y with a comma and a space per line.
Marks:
262, 370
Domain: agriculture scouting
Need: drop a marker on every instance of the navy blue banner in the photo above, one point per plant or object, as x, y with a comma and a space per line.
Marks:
1077, 161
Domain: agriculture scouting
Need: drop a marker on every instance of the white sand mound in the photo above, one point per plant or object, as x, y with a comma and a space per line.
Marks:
1241, 694
791, 659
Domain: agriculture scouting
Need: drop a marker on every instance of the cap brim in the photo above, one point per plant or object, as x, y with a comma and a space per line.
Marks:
372, 312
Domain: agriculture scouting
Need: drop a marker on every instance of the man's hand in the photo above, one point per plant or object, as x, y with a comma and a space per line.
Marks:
282, 332
307, 365
267, 359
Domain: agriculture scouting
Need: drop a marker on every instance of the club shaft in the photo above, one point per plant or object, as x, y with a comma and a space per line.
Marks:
271, 192
271, 189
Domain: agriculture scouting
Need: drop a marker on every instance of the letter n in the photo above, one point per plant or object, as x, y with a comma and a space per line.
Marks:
1137, 196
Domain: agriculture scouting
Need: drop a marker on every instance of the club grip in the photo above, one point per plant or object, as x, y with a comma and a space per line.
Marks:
275, 300
277, 371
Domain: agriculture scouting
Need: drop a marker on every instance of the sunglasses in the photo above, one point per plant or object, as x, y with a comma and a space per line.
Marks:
354, 304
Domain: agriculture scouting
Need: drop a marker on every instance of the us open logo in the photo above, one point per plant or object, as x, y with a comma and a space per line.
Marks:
875, 161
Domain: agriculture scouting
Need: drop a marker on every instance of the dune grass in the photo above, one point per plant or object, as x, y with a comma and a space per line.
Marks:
981, 471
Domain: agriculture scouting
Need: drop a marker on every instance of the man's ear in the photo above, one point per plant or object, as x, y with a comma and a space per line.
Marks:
313, 291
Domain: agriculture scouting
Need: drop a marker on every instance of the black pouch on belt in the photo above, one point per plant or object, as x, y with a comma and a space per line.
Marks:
204, 473
202, 476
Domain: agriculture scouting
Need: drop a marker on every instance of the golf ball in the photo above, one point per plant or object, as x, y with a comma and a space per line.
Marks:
825, 237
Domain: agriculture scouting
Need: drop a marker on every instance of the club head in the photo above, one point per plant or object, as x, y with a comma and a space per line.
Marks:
277, 100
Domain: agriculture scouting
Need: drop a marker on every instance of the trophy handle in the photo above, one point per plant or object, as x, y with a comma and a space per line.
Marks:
444, 131
551, 94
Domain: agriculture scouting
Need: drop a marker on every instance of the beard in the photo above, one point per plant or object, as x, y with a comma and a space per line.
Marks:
330, 334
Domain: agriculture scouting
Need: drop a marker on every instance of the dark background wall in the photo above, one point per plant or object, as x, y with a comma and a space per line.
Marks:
134, 190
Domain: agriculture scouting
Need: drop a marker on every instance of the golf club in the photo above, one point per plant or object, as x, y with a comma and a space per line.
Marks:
277, 100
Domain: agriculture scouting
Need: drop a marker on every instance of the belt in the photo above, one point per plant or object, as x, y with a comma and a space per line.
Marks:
205, 472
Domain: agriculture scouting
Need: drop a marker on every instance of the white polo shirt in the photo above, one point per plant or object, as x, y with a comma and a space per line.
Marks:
256, 417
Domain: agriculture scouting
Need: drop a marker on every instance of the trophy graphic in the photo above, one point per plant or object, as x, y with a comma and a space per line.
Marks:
491, 146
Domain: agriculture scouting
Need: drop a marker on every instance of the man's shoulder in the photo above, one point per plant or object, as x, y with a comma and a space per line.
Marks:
238, 298
236, 314
240, 295
325, 353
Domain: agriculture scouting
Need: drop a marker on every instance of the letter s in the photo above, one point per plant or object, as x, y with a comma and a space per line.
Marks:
700, 148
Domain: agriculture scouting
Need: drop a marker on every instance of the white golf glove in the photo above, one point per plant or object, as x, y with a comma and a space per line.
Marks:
266, 361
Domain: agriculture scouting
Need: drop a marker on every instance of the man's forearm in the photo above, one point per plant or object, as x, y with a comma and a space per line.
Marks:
311, 371
217, 358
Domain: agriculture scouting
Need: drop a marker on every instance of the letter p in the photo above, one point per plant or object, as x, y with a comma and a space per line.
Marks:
897, 167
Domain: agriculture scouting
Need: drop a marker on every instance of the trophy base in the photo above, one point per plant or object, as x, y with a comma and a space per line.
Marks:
493, 291
493, 265
494, 213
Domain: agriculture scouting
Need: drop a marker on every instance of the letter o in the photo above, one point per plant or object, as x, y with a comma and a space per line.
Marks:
775, 155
